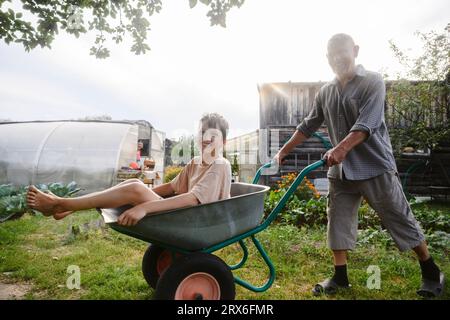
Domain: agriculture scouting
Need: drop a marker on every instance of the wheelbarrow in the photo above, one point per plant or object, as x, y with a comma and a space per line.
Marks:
179, 262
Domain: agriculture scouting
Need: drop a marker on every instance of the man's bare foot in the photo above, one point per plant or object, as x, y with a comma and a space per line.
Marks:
48, 204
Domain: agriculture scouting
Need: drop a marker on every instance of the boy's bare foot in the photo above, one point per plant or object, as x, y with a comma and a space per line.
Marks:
48, 204
61, 215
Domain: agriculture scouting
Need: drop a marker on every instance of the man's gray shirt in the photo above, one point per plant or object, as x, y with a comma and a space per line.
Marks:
359, 107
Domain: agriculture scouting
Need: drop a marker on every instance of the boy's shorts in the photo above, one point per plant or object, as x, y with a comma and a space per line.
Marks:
385, 195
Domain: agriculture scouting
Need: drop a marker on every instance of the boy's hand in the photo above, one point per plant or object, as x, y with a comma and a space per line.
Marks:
132, 216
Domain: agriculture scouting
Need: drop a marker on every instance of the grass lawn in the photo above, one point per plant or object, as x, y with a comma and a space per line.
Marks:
36, 251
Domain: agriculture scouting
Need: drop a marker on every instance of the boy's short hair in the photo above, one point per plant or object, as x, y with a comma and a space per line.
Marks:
215, 121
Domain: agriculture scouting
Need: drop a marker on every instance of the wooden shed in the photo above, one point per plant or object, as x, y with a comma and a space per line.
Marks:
282, 107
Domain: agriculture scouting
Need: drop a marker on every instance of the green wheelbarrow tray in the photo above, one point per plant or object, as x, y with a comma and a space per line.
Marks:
206, 228
196, 228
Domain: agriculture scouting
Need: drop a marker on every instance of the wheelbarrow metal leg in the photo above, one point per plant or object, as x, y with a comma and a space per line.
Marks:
244, 258
268, 262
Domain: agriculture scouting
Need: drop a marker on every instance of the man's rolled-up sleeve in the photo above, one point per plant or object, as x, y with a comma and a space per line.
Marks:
371, 111
314, 120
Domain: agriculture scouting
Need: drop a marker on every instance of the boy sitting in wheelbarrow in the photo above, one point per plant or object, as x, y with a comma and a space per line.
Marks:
206, 178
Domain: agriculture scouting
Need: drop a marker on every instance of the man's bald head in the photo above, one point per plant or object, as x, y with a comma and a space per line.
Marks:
340, 39
341, 54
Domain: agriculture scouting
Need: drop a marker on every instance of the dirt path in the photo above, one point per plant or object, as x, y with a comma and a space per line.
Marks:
13, 291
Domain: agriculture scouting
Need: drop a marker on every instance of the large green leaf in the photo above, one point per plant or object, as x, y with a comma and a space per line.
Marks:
13, 199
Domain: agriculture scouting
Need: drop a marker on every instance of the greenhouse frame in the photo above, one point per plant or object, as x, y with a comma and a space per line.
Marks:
89, 152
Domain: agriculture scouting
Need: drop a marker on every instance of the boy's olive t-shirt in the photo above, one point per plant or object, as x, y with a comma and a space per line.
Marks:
208, 182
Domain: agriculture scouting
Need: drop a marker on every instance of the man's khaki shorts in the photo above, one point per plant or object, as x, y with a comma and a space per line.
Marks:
385, 195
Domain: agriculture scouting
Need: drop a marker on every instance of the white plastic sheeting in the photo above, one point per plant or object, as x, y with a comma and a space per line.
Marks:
89, 153
157, 150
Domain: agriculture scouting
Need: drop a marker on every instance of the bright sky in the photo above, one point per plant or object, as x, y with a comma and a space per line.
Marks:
194, 68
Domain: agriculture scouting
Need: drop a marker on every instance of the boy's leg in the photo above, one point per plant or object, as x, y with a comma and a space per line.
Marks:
130, 193
61, 215
128, 181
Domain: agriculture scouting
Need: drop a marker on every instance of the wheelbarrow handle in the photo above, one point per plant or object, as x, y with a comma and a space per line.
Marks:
290, 190
258, 172
309, 168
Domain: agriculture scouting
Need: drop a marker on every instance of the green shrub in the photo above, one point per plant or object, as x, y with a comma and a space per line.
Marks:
171, 172
420, 108
312, 212
13, 199
374, 235
439, 240
367, 217
7, 190
305, 206
433, 219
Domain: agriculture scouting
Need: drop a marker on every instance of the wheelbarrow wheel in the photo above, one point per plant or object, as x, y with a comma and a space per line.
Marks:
155, 261
196, 276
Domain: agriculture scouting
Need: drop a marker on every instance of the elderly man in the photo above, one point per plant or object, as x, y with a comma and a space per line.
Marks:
361, 165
